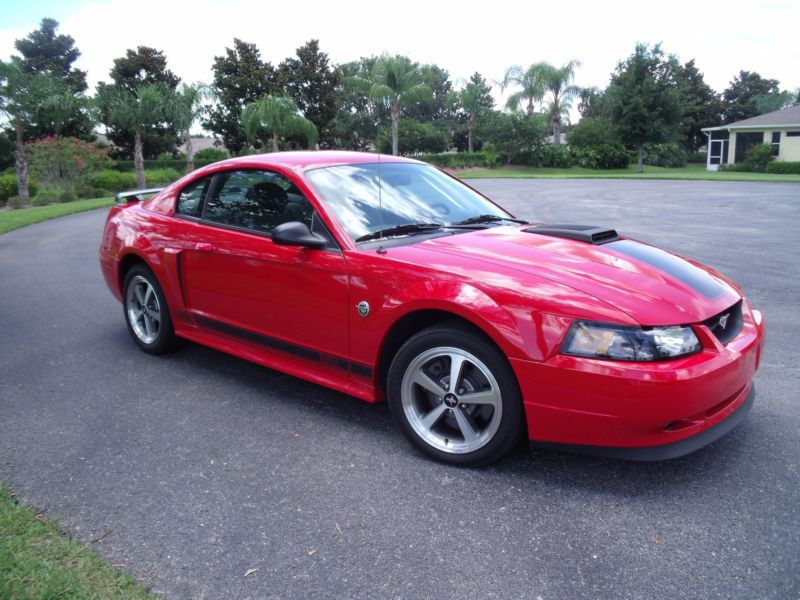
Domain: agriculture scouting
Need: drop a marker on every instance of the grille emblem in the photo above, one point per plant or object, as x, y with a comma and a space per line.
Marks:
723, 320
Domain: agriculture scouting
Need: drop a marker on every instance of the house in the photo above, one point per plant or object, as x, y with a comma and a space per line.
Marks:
730, 143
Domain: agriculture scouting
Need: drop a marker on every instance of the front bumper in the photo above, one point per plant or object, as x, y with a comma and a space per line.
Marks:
644, 411
666, 451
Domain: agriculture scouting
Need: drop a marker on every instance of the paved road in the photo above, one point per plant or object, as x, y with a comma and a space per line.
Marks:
197, 467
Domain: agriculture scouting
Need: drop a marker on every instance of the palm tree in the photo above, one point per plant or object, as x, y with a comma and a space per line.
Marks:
137, 111
279, 116
530, 81
397, 81
558, 85
188, 107
31, 100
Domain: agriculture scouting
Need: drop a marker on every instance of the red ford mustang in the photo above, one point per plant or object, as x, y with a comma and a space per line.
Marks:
386, 278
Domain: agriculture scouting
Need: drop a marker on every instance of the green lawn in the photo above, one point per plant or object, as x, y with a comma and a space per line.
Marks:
14, 219
38, 562
693, 172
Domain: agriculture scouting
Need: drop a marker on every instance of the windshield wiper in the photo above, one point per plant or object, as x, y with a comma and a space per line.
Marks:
489, 219
405, 229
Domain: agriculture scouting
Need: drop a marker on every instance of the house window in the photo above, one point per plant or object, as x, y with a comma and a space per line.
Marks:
793, 134
776, 143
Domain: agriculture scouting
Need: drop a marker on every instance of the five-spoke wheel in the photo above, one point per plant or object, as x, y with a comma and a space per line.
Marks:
146, 311
455, 396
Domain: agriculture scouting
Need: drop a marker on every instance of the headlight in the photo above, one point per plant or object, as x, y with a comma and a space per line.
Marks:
621, 342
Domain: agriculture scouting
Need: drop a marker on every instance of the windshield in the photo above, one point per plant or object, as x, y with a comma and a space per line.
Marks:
409, 193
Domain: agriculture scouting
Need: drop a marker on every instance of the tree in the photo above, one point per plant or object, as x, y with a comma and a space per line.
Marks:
188, 108
278, 116
531, 83
475, 99
135, 113
557, 82
774, 101
513, 133
33, 101
311, 82
397, 82
357, 120
240, 77
590, 102
701, 105
44, 52
741, 96
138, 69
644, 101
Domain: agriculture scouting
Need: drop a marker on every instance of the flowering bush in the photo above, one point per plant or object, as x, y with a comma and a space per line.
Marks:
60, 162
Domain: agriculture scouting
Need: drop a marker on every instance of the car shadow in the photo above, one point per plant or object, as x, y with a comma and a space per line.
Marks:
708, 467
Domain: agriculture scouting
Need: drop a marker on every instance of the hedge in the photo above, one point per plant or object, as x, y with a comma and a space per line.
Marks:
9, 188
179, 164
784, 167
454, 160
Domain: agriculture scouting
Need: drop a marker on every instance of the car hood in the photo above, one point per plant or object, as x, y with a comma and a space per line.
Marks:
652, 286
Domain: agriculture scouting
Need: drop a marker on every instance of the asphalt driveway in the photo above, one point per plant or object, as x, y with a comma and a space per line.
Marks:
197, 467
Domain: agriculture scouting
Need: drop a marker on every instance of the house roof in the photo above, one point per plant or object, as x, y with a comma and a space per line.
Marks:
788, 117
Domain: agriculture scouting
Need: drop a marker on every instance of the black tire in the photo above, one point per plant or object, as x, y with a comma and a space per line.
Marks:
476, 423
146, 311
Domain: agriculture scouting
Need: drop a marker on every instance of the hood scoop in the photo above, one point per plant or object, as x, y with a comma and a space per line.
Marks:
590, 234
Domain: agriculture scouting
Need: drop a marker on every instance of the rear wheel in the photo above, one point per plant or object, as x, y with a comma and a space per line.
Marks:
455, 397
146, 311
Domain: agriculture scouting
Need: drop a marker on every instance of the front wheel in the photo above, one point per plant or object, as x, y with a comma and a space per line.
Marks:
455, 396
146, 311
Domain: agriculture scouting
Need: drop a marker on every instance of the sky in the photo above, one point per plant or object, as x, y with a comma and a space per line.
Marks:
461, 37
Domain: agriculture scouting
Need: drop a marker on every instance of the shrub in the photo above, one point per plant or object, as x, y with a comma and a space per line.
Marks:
413, 137
210, 155
759, 157
14, 202
697, 158
454, 160
113, 180
784, 167
61, 161
67, 196
664, 155
601, 156
557, 156
161, 176
41, 200
8, 187
47, 195
591, 131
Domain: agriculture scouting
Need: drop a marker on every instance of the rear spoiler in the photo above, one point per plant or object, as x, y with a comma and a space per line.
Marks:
135, 195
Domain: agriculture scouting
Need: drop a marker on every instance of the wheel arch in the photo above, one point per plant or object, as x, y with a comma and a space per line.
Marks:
125, 264
415, 321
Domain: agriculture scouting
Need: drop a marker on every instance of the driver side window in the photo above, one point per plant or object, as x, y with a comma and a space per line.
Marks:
255, 200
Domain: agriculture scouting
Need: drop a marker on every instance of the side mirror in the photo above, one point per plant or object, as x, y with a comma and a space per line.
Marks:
295, 233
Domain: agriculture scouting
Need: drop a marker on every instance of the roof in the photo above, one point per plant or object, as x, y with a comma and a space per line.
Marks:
788, 117
201, 143
310, 159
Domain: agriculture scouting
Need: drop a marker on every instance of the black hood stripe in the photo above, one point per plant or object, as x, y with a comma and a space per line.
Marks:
678, 268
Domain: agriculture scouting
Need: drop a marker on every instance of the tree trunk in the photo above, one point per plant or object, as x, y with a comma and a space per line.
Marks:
138, 159
21, 163
640, 160
395, 119
189, 154
470, 128
530, 105
557, 131
274, 141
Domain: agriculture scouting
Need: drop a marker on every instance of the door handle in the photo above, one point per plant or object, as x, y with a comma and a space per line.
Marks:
204, 247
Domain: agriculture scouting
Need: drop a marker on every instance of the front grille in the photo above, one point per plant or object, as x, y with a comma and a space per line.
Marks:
727, 324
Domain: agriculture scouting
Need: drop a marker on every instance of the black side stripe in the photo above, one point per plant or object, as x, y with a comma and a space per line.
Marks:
179, 264
296, 350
